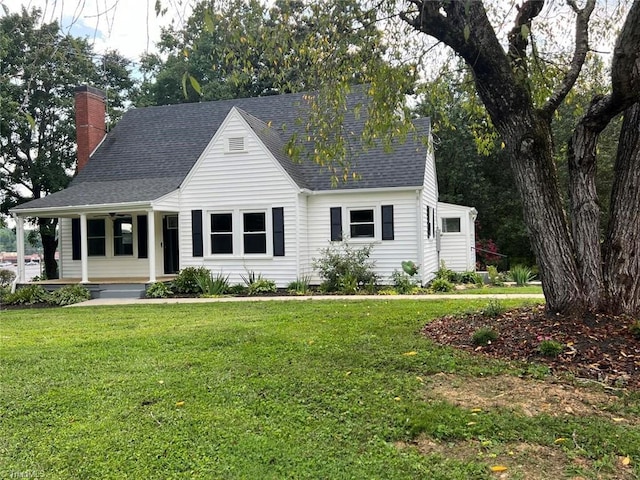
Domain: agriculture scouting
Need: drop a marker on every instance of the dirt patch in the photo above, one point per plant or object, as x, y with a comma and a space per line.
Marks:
519, 460
597, 347
527, 397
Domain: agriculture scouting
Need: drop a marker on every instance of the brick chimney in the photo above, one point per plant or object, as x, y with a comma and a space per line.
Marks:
90, 121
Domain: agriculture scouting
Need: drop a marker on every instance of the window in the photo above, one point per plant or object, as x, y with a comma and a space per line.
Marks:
123, 236
221, 233
96, 237
451, 225
361, 223
254, 232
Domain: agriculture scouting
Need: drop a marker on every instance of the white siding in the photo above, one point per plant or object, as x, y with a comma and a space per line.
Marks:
429, 198
387, 254
109, 266
251, 180
457, 250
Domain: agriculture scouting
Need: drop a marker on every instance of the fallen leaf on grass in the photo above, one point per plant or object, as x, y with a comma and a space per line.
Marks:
626, 461
179, 404
410, 354
498, 468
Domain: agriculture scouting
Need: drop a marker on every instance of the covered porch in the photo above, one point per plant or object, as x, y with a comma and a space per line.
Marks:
114, 244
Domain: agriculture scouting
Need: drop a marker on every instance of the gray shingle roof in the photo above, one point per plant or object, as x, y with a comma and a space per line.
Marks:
151, 150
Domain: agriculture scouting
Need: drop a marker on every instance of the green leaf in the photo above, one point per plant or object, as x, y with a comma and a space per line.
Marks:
208, 22
466, 32
195, 85
31, 120
524, 31
184, 84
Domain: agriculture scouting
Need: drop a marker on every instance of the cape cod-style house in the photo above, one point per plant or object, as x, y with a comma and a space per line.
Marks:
210, 184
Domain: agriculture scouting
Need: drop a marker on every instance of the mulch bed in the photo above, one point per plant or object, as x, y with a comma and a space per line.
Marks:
596, 347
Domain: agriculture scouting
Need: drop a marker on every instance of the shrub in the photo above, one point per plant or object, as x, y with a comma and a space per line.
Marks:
27, 296
6, 277
410, 268
441, 285
345, 268
261, 286
403, 284
212, 286
550, 348
187, 280
158, 290
495, 278
70, 294
521, 275
300, 286
446, 274
469, 277
237, 289
484, 336
494, 308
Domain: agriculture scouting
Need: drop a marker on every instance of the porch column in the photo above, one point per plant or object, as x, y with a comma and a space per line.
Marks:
20, 277
84, 248
151, 247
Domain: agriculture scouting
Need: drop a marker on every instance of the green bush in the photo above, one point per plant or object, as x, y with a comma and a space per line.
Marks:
261, 286
469, 277
6, 277
187, 280
495, 278
484, 336
521, 275
345, 268
70, 294
300, 286
446, 274
550, 348
212, 286
158, 290
441, 285
403, 283
28, 296
494, 308
238, 289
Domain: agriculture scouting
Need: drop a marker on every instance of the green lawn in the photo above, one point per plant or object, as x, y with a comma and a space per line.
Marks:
258, 390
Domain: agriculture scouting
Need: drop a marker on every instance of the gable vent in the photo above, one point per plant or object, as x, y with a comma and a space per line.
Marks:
235, 144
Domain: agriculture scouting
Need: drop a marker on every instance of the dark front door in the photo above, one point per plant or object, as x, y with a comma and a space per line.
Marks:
170, 243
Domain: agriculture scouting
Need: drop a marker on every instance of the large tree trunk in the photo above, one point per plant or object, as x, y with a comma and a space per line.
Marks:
622, 244
528, 140
47, 228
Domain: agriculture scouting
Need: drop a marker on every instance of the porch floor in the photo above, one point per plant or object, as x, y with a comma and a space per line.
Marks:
104, 280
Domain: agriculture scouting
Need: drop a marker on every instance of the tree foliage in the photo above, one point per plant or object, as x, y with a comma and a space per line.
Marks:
40, 68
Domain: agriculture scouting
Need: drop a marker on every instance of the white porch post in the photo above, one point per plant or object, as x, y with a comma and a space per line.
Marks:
84, 248
20, 248
151, 240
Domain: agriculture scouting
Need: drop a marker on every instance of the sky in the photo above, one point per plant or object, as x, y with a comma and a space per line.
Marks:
129, 26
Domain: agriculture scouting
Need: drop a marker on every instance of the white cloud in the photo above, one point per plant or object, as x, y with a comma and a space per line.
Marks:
129, 26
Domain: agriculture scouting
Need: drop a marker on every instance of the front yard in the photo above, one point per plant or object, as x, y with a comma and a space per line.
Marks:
312, 389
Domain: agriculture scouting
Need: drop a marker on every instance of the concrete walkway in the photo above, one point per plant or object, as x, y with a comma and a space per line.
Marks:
171, 301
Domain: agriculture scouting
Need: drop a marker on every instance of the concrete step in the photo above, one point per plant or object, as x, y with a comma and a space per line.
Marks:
120, 290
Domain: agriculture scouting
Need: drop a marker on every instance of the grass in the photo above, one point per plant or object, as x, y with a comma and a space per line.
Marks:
317, 389
488, 290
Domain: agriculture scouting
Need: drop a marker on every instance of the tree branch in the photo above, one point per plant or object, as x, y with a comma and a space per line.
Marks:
579, 56
518, 38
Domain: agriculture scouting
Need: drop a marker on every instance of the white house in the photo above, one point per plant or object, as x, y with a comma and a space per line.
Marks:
210, 184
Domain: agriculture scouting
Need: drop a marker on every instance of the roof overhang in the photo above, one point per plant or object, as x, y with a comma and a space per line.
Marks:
341, 191
74, 210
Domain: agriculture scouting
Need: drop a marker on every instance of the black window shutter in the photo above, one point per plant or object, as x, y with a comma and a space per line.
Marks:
336, 224
387, 222
143, 236
196, 232
75, 239
429, 231
278, 231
